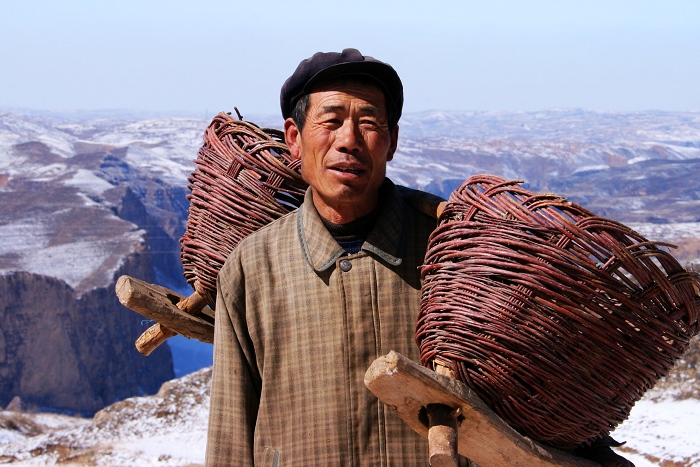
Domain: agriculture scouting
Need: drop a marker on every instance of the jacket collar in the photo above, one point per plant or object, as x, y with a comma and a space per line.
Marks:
386, 240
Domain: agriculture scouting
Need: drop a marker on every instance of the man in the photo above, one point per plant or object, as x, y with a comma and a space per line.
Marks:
307, 303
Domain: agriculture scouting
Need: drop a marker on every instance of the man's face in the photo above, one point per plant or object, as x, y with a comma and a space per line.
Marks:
344, 147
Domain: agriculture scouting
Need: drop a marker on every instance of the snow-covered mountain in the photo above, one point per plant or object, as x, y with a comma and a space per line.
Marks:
81, 199
633, 167
600, 159
60, 181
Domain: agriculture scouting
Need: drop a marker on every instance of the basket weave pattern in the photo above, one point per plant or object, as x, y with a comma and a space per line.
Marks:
243, 180
558, 319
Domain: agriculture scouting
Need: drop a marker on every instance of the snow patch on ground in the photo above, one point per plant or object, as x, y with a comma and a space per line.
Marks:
665, 431
169, 429
87, 180
591, 168
672, 231
22, 236
72, 262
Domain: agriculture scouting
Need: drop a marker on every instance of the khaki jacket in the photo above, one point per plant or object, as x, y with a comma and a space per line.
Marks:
296, 329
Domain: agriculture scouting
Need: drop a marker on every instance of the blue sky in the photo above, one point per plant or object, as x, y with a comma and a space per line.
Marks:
208, 55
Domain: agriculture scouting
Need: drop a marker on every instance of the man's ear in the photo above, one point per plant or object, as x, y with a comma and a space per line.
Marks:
292, 136
394, 143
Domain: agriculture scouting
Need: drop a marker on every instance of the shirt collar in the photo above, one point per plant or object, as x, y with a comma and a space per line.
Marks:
386, 240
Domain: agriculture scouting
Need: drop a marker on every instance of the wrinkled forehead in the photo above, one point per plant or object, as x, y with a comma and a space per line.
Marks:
358, 86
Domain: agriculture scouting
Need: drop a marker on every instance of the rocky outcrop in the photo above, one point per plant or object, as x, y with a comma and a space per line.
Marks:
61, 352
163, 221
81, 205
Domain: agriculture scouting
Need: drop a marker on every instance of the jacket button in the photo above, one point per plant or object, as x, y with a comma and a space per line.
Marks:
345, 265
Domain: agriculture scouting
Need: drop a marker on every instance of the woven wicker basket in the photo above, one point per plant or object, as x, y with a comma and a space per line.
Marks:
558, 319
243, 180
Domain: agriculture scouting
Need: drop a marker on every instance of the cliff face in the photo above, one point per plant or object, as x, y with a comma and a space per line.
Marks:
75, 214
74, 354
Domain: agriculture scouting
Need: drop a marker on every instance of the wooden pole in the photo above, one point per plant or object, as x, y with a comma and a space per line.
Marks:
427, 203
153, 337
442, 436
442, 428
173, 313
485, 438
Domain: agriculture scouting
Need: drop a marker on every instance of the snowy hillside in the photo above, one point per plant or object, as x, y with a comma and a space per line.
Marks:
166, 429
84, 161
58, 181
537, 146
79, 195
169, 429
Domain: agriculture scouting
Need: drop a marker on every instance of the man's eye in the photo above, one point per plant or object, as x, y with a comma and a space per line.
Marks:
369, 123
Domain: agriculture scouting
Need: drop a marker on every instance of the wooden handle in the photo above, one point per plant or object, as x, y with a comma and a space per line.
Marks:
442, 428
424, 202
442, 435
152, 338
192, 304
182, 315
407, 388
157, 334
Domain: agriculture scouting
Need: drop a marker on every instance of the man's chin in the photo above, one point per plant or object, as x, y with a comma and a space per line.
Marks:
348, 197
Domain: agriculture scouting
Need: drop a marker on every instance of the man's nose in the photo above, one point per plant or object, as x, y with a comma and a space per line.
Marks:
349, 138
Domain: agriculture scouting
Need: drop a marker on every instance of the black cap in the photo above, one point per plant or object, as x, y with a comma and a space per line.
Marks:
324, 66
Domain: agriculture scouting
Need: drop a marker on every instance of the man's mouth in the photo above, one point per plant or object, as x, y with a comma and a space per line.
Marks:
346, 170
